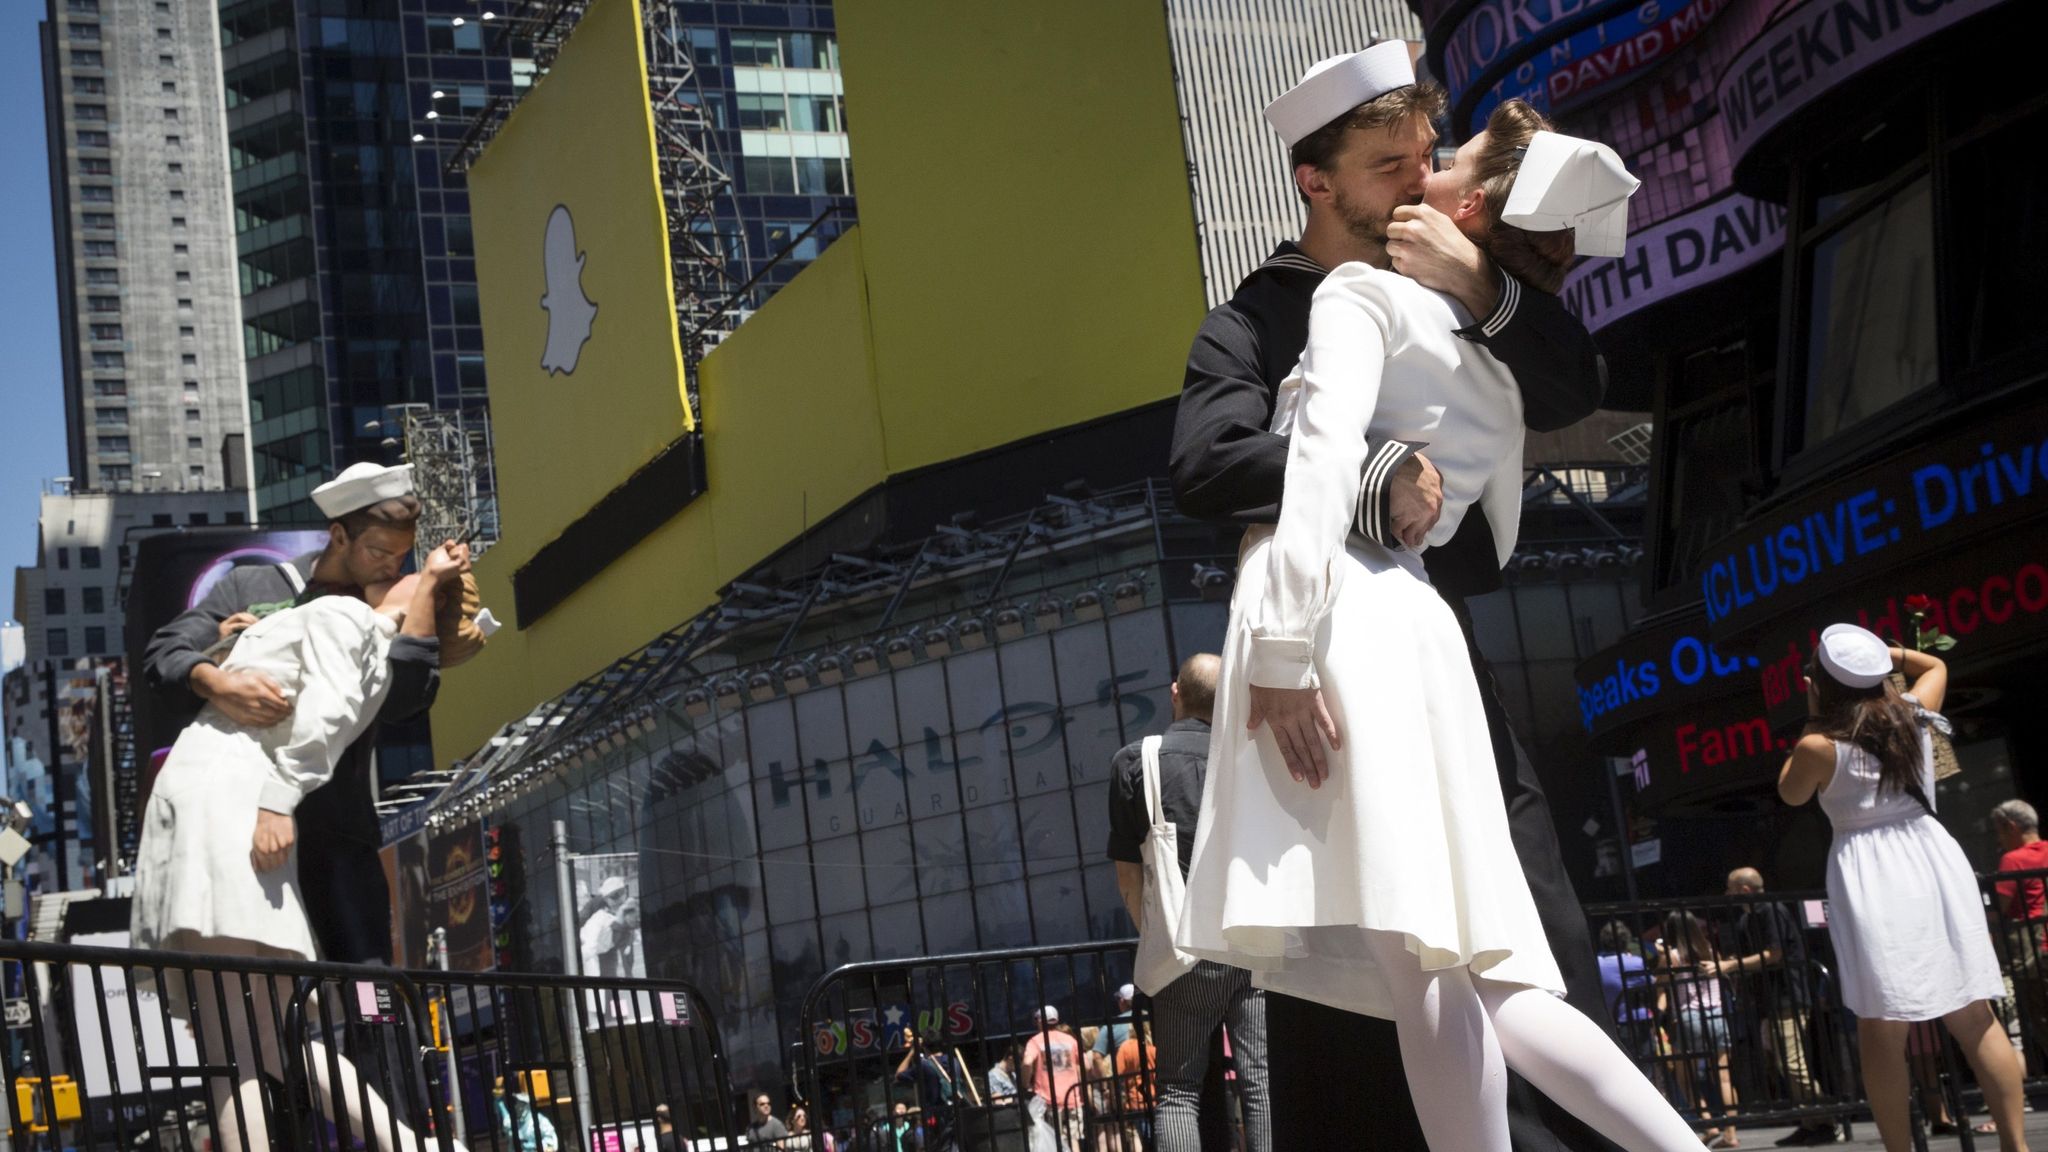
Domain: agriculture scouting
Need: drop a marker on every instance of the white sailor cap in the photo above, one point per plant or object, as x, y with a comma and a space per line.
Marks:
1337, 85
361, 485
1566, 182
1855, 656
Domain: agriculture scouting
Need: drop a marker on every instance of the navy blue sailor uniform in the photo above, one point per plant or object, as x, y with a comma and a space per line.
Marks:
1227, 467
341, 879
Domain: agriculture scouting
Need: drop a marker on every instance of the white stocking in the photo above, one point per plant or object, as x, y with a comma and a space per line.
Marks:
265, 999
1448, 1051
1566, 1056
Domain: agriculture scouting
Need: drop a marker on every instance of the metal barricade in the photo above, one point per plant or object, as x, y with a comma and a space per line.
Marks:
590, 1055
900, 1053
132, 1051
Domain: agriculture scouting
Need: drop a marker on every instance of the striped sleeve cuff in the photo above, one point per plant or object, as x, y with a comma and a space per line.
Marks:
1375, 494
1503, 311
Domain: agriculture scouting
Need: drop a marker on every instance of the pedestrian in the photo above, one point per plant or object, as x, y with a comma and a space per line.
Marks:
1137, 1064
664, 1130
1383, 876
218, 870
1768, 975
2023, 909
1052, 1067
524, 1126
1002, 1077
1187, 1011
1229, 467
762, 1127
1904, 908
1699, 1020
935, 1075
800, 1138
1625, 983
1108, 1039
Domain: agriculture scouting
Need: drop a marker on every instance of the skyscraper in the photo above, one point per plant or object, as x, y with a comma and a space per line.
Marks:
153, 384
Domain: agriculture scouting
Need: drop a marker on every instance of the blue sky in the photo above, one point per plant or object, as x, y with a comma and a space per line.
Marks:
31, 374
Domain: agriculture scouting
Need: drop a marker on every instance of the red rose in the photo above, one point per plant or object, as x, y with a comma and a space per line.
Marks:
1918, 604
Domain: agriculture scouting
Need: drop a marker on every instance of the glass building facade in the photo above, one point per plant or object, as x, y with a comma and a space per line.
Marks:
921, 768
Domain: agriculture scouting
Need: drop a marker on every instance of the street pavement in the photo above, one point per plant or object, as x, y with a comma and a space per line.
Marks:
1866, 1137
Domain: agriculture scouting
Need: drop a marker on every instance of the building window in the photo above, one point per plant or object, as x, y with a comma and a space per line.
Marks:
762, 110
63, 558
177, 195
762, 175
189, 360
103, 277
88, 85
106, 331
57, 641
235, 518
95, 639
1868, 261
175, 167
443, 35
103, 303
94, 112
115, 475
163, 33
113, 444
181, 249
195, 445
110, 387
174, 141
170, 86
87, 32
184, 277
166, 61
160, 519
96, 193
53, 602
100, 220
191, 415
95, 166
196, 472
197, 518
170, 113
110, 416
184, 304
91, 139
82, 7
177, 221
87, 58
109, 360
94, 600
188, 332
101, 248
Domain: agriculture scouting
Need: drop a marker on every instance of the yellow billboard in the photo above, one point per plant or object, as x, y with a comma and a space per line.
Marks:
572, 259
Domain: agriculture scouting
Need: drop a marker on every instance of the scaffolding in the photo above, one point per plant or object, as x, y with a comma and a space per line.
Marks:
450, 453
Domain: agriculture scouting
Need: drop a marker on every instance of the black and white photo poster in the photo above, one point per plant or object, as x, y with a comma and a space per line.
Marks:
608, 939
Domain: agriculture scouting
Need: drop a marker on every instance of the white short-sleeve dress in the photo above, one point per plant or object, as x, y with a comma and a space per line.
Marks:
1410, 834
193, 875
1904, 910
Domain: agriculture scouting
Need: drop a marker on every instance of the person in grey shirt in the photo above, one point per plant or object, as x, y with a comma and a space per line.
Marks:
1186, 1013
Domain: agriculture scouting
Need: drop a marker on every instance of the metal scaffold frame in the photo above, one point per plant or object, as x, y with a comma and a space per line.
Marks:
450, 453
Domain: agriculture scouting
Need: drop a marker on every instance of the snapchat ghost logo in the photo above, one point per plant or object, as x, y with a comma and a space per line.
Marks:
569, 311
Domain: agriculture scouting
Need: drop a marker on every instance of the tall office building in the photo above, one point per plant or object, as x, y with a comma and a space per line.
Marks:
153, 385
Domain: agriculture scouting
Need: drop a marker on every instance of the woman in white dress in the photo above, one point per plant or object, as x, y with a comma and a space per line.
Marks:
1389, 883
216, 872
1904, 910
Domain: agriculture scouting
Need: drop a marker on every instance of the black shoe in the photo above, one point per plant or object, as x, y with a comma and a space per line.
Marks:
1809, 1137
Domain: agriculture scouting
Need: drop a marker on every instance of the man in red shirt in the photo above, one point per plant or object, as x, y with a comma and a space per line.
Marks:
2023, 906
